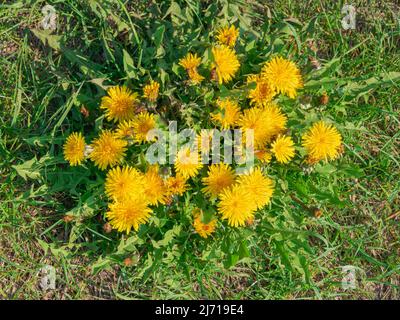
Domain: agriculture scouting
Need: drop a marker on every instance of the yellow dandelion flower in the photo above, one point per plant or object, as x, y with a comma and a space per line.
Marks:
176, 185
125, 130
108, 150
252, 119
154, 188
283, 149
204, 229
220, 176
190, 61
283, 75
228, 113
142, 124
122, 183
225, 63
129, 214
266, 122
263, 93
322, 142
187, 163
194, 76
258, 186
120, 104
236, 205
263, 155
275, 120
150, 91
228, 35
74, 149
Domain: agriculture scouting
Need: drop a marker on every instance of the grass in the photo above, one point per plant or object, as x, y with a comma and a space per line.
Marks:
40, 95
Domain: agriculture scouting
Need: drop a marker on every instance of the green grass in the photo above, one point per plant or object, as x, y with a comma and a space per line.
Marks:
41, 92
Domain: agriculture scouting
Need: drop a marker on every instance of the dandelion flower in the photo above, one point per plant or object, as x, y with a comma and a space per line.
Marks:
263, 155
266, 122
108, 150
187, 163
125, 130
120, 104
176, 185
251, 119
154, 188
129, 214
204, 229
263, 93
122, 183
322, 142
194, 76
190, 61
236, 205
150, 91
228, 113
275, 121
228, 35
283, 75
258, 186
220, 176
74, 149
225, 63
142, 124
283, 149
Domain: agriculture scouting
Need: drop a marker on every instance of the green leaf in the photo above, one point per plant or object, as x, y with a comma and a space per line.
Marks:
53, 41
351, 171
243, 250
129, 66
101, 264
29, 169
325, 169
159, 36
283, 253
231, 260
168, 237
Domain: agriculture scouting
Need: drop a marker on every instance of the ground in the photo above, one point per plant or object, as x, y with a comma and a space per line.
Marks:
364, 233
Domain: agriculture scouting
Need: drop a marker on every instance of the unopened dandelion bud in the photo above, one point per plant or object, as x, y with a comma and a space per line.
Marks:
128, 262
250, 221
68, 218
107, 227
84, 111
317, 213
315, 63
324, 99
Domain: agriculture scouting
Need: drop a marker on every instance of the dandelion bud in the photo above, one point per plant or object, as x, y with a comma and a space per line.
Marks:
84, 111
317, 213
68, 218
214, 75
324, 99
128, 262
315, 63
250, 221
107, 228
